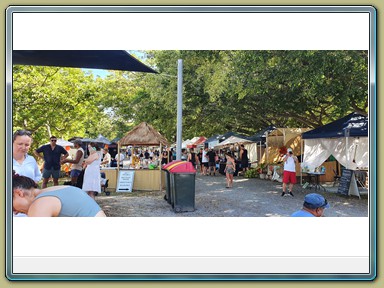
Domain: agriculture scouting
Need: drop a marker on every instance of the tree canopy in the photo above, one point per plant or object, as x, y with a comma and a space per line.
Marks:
242, 91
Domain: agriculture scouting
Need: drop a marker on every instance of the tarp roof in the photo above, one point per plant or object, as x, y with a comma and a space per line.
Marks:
262, 134
94, 59
200, 141
212, 138
187, 142
356, 123
227, 135
233, 140
221, 137
102, 139
144, 135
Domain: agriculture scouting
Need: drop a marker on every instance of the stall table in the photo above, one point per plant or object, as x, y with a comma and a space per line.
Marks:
144, 179
315, 181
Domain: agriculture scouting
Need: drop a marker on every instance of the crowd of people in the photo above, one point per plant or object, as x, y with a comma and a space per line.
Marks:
78, 199
57, 200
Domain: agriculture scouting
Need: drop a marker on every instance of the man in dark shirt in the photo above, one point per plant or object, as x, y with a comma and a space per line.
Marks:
212, 161
52, 157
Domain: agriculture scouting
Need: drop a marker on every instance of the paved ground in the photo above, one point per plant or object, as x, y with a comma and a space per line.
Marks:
248, 198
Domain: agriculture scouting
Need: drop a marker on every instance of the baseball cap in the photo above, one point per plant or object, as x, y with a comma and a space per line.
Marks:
314, 201
289, 150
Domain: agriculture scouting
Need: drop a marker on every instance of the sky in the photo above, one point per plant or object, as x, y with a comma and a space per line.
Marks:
104, 73
98, 72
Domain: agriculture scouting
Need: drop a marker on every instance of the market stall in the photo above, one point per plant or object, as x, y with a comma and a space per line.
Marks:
231, 141
345, 139
145, 176
199, 143
256, 148
282, 137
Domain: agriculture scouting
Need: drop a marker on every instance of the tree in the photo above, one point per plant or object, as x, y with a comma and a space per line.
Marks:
54, 101
241, 91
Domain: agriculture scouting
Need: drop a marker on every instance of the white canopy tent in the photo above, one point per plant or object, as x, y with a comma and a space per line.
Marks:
187, 142
346, 139
252, 152
231, 141
351, 152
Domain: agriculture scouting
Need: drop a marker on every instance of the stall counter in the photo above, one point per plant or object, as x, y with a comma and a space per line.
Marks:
144, 180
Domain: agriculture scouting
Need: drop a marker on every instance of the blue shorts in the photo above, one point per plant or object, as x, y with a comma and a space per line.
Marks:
48, 172
75, 173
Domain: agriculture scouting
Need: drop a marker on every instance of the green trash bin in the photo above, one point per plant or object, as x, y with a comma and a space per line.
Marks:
166, 168
182, 179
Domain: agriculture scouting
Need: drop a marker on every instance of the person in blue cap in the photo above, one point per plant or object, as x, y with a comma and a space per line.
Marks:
314, 205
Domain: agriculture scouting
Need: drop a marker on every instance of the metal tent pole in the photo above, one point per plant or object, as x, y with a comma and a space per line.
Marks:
179, 108
302, 156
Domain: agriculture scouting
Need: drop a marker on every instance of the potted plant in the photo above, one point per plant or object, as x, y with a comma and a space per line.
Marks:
262, 169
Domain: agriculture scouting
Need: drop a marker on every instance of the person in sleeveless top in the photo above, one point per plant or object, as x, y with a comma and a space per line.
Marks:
164, 157
192, 157
244, 158
76, 163
230, 168
55, 201
92, 178
289, 174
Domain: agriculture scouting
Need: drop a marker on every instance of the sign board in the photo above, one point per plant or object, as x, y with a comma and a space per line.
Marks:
125, 181
345, 182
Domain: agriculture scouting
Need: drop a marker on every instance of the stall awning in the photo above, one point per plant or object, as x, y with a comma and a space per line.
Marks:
93, 59
143, 135
352, 125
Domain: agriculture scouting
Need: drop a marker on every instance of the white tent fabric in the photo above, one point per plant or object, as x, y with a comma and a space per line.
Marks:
231, 140
252, 152
351, 152
213, 143
189, 142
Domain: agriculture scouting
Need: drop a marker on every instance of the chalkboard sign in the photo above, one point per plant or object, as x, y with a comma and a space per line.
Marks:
125, 181
345, 182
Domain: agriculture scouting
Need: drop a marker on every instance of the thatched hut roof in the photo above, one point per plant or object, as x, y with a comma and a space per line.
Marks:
144, 135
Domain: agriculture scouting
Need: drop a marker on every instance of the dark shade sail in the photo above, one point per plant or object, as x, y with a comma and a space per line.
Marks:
352, 125
93, 59
261, 136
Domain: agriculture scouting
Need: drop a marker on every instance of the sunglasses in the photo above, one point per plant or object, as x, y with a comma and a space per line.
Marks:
53, 140
22, 133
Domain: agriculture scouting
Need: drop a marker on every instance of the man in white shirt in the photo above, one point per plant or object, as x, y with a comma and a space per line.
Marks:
119, 158
289, 175
106, 159
204, 161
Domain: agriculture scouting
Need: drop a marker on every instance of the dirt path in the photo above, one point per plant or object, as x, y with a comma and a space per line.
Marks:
248, 198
